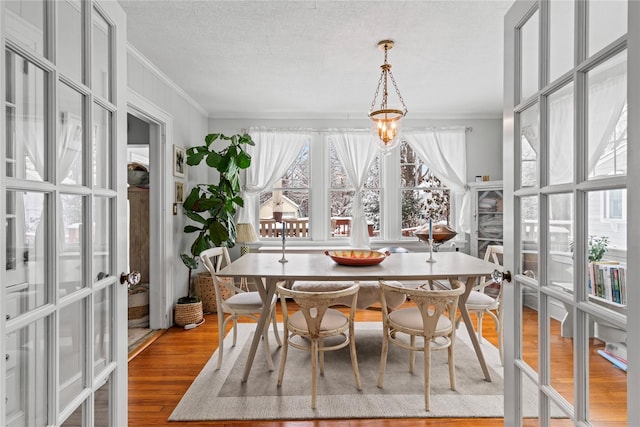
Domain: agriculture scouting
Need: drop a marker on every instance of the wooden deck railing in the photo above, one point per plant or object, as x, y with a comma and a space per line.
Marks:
299, 227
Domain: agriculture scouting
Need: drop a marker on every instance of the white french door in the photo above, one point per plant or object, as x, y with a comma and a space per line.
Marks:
63, 310
571, 185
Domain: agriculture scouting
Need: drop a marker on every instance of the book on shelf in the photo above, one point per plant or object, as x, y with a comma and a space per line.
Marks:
607, 280
616, 362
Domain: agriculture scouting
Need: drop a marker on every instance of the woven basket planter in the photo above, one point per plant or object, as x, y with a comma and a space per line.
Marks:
203, 287
186, 314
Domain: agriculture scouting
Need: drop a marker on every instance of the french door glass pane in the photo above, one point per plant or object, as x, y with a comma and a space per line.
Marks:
101, 242
530, 326
25, 23
607, 22
71, 244
560, 238
561, 153
69, 44
101, 154
75, 419
102, 330
26, 234
561, 29
607, 376
24, 112
102, 406
101, 76
560, 335
72, 351
529, 146
529, 234
70, 130
529, 57
607, 247
27, 362
607, 132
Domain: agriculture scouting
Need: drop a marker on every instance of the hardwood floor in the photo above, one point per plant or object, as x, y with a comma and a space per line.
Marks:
162, 373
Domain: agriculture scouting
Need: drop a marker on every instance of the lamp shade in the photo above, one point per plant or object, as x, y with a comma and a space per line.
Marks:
245, 233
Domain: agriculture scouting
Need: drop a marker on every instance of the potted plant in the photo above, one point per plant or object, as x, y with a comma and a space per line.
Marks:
212, 207
598, 246
188, 309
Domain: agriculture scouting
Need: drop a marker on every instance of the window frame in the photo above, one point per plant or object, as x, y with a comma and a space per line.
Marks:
390, 189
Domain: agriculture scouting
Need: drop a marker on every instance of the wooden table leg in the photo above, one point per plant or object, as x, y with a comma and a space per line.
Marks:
267, 292
462, 305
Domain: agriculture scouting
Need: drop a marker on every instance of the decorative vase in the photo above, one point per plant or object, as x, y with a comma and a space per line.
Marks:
203, 287
441, 233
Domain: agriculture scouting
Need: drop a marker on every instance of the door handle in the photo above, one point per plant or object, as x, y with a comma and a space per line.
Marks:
132, 278
499, 276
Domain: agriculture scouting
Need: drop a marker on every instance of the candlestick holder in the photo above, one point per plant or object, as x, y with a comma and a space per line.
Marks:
283, 259
431, 251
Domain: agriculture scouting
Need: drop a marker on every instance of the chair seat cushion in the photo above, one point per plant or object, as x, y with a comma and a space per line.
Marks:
411, 318
368, 294
480, 300
333, 319
245, 301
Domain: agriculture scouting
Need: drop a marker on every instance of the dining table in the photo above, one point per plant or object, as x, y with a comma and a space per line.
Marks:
266, 269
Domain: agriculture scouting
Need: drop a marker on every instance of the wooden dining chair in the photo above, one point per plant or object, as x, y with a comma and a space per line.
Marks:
486, 298
430, 317
315, 321
240, 303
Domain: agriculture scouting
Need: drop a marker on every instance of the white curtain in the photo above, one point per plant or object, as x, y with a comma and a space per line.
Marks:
607, 98
356, 151
444, 151
271, 156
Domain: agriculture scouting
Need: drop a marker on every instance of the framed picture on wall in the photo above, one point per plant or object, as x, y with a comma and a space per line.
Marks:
179, 192
179, 161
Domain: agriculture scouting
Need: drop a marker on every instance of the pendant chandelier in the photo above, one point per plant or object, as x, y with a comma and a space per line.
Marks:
386, 122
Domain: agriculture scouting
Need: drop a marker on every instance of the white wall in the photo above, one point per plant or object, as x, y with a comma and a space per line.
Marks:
189, 127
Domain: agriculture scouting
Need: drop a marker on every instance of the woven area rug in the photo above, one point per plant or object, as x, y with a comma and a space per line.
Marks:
220, 395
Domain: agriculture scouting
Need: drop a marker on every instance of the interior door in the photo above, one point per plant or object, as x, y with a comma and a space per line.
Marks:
566, 119
64, 131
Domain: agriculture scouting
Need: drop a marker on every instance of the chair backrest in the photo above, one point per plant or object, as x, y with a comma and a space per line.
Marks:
212, 258
432, 299
213, 261
493, 254
314, 305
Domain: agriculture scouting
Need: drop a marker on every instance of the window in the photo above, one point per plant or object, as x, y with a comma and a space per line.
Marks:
614, 205
315, 195
341, 197
288, 199
423, 195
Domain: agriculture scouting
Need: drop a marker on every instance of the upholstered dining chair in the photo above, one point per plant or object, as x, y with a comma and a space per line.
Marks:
315, 321
486, 297
430, 317
240, 303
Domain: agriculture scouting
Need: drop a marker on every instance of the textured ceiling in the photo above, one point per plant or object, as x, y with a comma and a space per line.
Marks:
319, 59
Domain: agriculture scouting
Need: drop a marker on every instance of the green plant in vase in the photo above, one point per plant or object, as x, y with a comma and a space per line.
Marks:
213, 206
191, 263
598, 246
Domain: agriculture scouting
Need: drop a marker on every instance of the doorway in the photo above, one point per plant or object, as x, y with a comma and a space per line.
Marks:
138, 192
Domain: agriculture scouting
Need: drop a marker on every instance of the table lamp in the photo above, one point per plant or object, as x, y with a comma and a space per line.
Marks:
245, 233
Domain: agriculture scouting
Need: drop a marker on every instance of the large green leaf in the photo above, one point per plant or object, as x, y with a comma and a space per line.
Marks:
218, 233
243, 160
210, 138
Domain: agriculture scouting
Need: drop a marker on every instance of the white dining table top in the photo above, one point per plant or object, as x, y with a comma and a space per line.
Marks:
318, 266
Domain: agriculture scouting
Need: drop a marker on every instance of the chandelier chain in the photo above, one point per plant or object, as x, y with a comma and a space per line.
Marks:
375, 96
404, 106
